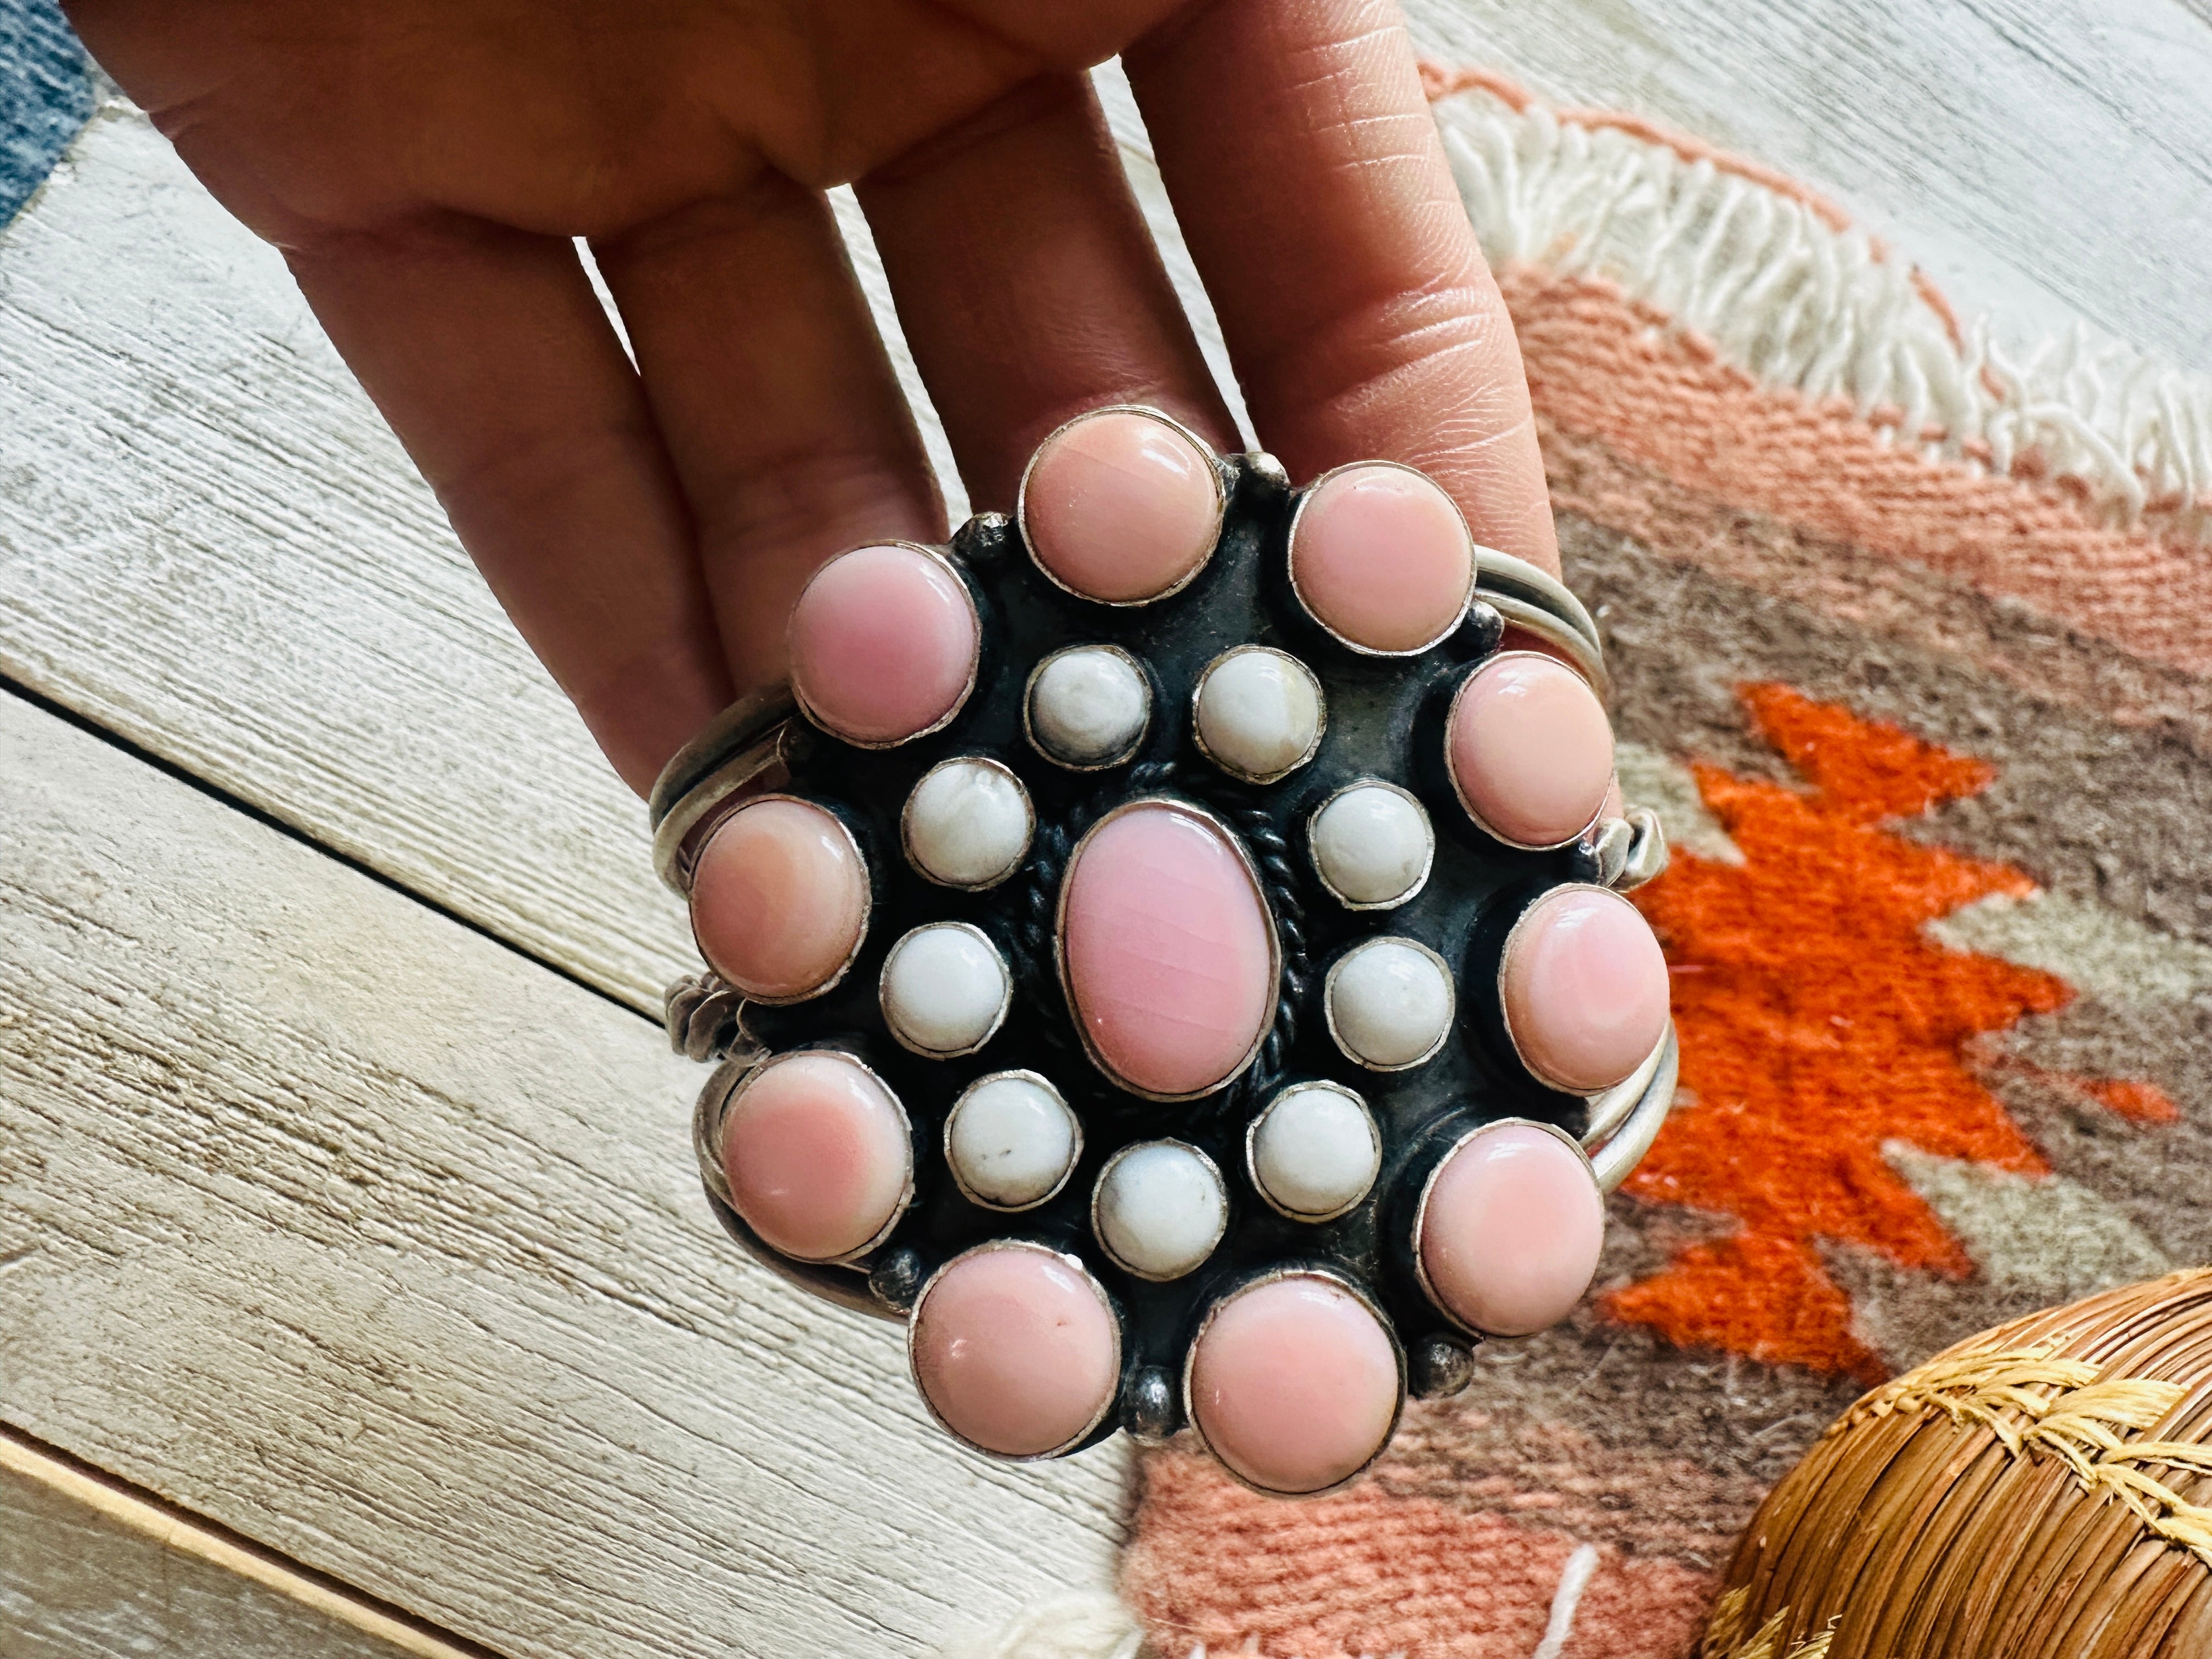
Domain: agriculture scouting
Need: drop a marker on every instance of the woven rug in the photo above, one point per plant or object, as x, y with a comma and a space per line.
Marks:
1912, 639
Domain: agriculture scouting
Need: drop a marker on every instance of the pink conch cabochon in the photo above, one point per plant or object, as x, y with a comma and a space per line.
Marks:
1016, 1350
1380, 557
1510, 1230
779, 898
1120, 506
817, 1156
1530, 749
1584, 988
1295, 1383
884, 644
1168, 951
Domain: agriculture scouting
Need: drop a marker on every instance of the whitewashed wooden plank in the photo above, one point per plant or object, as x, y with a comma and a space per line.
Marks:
2043, 160
89, 1570
210, 543
339, 1224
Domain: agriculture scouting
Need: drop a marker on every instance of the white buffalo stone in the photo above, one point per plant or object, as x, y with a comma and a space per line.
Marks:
1390, 1002
1159, 1208
1259, 713
1372, 844
945, 990
968, 822
1088, 706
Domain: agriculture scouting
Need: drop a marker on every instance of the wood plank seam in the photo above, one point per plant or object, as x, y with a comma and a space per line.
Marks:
190, 1534
306, 838
371, 1243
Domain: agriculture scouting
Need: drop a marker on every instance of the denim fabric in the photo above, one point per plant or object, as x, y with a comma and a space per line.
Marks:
45, 95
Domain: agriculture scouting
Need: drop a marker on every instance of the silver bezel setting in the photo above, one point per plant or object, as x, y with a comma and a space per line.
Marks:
1028, 820
1214, 467
974, 654
1252, 1151
1428, 829
1267, 911
1328, 1002
1320, 714
1459, 794
1075, 1125
1121, 757
1428, 1186
1198, 1338
1504, 1013
684, 832
1114, 1163
1112, 1318
1006, 995
728, 754
719, 1181
860, 936
1290, 560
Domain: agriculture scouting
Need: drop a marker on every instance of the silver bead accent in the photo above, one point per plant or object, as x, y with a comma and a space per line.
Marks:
1154, 1415
1439, 1366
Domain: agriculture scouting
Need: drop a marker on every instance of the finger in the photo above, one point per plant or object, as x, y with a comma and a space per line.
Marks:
780, 407
1028, 286
1313, 191
491, 358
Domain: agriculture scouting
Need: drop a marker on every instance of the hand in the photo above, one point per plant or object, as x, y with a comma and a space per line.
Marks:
425, 164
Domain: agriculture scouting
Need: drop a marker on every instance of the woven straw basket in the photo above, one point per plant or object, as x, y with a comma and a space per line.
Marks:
2039, 1492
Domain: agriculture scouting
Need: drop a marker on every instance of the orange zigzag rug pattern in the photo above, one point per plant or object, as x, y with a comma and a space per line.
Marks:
1817, 1023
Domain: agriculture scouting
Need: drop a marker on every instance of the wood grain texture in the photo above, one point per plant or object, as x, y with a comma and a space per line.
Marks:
2043, 160
88, 1570
210, 543
333, 1221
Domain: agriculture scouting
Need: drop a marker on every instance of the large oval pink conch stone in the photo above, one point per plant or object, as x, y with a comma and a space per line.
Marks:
779, 897
1584, 988
883, 645
1510, 1233
1382, 558
1015, 1350
1121, 507
816, 1154
1294, 1384
1168, 951
1531, 750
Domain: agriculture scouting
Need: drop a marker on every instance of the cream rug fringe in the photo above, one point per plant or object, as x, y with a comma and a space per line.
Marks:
1081, 1625
1782, 285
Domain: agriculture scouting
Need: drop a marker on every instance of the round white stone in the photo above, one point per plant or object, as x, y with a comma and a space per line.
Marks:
1259, 713
1390, 1003
1011, 1140
967, 823
1315, 1151
1159, 1209
1088, 706
1372, 844
945, 990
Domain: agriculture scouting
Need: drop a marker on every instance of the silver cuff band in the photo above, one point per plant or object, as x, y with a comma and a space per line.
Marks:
1544, 605
735, 749
1626, 1119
